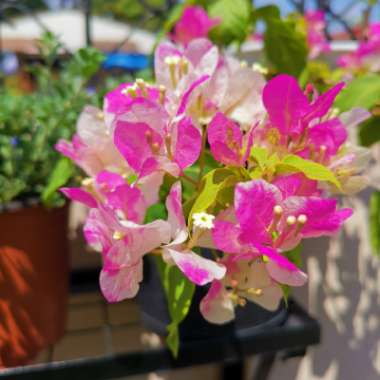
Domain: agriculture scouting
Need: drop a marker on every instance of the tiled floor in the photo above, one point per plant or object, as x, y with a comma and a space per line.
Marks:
95, 328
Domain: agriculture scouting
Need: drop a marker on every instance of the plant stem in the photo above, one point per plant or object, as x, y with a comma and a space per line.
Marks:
190, 180
202, 157
215, 254
157, 251
194, 238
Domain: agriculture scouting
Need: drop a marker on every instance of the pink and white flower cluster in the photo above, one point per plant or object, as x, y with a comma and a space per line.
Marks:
205, 104
367, 55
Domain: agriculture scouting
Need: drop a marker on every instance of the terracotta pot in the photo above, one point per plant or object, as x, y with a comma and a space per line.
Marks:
34, 265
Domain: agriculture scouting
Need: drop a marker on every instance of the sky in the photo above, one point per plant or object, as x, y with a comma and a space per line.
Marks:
337, 5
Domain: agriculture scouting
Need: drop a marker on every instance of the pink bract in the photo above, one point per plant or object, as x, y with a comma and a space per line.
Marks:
315, 28
122, 262
227, 142
217, 306
366, 56
261, 209
194, 23
157, 146
92, 146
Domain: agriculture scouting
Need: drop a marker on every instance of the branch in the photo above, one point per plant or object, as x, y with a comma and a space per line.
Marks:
153, 10
325, 6
299, 5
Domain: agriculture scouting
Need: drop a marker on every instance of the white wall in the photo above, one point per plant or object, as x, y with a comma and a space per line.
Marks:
343, 292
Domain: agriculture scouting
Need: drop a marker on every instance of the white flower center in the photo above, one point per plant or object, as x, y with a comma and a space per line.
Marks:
203, 220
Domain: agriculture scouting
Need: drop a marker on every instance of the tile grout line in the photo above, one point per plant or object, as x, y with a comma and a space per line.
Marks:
107, 333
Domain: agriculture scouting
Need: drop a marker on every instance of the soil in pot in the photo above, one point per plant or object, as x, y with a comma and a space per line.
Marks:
34, 265
155, 315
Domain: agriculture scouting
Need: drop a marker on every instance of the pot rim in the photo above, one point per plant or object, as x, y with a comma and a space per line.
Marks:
17, 205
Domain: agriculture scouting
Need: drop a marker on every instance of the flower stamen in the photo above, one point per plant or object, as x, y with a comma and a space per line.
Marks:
162, 90
242, 301
168, 140
155, 147
131, 91
184, 66
301, 221
291, 220
173, 61
118, 235
255, 291
142, 86
278, 211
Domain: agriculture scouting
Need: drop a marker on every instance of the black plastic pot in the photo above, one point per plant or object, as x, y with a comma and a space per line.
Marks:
155, 315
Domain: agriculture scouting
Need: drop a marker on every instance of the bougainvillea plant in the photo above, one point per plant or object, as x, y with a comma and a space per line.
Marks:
212, 156
367, 55
316, 39
361, 68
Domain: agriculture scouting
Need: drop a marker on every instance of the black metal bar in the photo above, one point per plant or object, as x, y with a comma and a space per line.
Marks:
299, 331
265, 365
84, 280
233, 370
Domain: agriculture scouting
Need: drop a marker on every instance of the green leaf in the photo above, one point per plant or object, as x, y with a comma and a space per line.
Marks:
374, 222
132, 178
10, 188
212, 183
294, 255
361, 92
172, 17
86, 62
369, 131
62, 172
266, 13
235, 20
286, 290
311, 169
154, 212
260, 155
266, 164
285, 47
179, 293
49, 46
172, 340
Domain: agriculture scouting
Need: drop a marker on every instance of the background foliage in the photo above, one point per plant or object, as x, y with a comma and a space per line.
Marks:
31, 124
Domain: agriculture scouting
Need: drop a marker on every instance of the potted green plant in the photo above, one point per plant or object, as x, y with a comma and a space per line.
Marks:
34, 256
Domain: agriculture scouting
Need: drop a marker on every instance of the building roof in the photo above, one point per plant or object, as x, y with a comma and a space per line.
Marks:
69, 26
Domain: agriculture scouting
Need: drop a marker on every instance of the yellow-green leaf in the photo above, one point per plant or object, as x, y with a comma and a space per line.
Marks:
61, 173
310, 169
179, 293
212, 183
260, 155
374, 224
